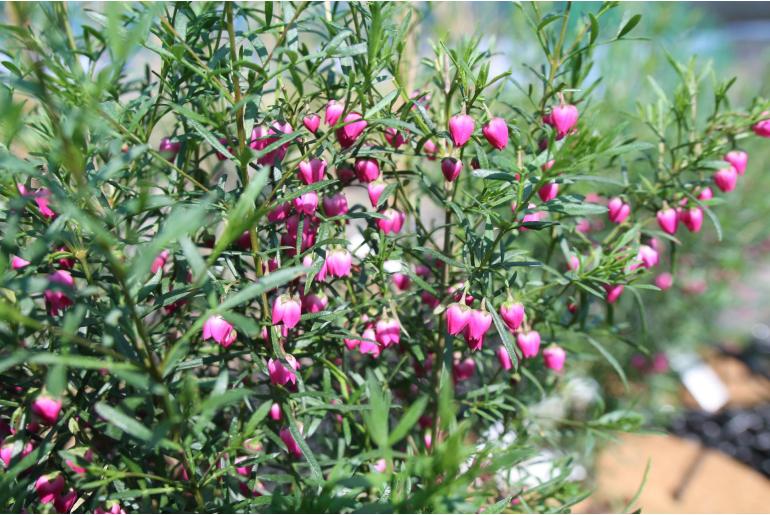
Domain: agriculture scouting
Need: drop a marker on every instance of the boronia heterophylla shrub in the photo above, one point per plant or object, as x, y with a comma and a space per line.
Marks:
345, 279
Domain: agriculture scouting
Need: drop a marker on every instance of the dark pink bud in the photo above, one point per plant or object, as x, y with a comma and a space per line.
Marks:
47, 487
457, 318
367, 169
335, 205
401, 281
496, 132
613, 292
375, 190
218, 329
159, 262
311, 122
280, 374
275, 411
664, 281
279, 213
548, 191
291, 445
463, 370
564, 118
726, 179
692, 218
668, 220
618, 210
333, 112
504, 358
706, 194
512, 314
461, 128
528, 343
306, 203
349, 133
554, 357
47, 409
312, 171
451, 168
169, 148
345, 174
738, 159
394, 137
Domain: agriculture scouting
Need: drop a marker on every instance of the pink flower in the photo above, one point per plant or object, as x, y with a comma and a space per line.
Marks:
314, 303
114, 509
648, 256
563, 118
451, 168
387, 332
286, 310
380, 466
279, 213
664, 281
281, 375
275, 411
221, 331
668, 220
375, 190
306, 203
479, 323
63, 503
393, 221
47, 487
726, 179
504, 358
159, 262
528, 343
613, 292
42, 197
169, 148
18, 263
457, 318
496, 132
368, 343
573, 263
311, 122
461, 127
706, 194
692, 218
512, 314
618, 210
291, 444
367, 169
739, 159
262, 138
345, 174
548, 191
394, 137
554, 357
77, 469
333, 112
6, 451
312, 171
762, 127
240, 469
429, 299
401, 281
349, 133
47, 409
429, 147
58, 300
335, 205
338, 263
463, 370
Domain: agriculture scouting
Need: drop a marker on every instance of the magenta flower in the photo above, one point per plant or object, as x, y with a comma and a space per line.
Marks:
512, 314
528, 343
306, 203
504, 358
312, 122
375, 190
367, 169
279, 374
496, 133
57, 300
461, 127
554, 357
387, 332
291, 444
286, 310
312, 171
349, 133
451, 168
333, 112
47, 487
394, 137
335, 205
159, 262
338, 263
18, 263
221, 331
613, 292
393, 222
617, 210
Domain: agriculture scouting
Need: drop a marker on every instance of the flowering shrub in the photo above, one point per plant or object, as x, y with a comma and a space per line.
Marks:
202, 310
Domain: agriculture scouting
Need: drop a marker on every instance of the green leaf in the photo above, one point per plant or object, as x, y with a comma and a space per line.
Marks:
379, 106
594, 29
123, 422
610, 359
210, 138
629, 26
408, 420
315, 469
